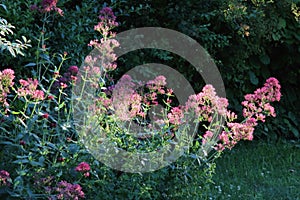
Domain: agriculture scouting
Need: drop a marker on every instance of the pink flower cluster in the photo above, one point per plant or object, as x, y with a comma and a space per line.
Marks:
128, 102
123, 96
47, 6
69, 77
68, 191
6, 82
29, 90
107, 22
206, 103
176, 116
256, 108
84, 168
257, 105
105, 58
5, 179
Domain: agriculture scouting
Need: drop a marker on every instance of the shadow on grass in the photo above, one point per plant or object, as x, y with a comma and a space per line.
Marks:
258, 170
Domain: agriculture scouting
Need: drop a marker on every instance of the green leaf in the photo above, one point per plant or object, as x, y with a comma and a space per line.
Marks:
4, 7
281, 23
30, 65
24, 39
265, 59
253, 78
295, 132
293, 118
21, 161
35, 164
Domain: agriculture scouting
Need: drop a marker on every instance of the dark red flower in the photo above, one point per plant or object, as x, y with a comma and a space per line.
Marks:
45, 116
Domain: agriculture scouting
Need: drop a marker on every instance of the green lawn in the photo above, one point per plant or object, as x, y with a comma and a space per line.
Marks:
258, 170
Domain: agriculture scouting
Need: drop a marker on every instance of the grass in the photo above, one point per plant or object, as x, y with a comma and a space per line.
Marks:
258, 170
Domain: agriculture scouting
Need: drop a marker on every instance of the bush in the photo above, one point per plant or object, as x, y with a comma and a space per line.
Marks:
39, 130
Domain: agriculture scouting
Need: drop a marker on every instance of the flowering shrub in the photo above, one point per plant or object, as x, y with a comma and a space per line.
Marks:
127, 104
48, 159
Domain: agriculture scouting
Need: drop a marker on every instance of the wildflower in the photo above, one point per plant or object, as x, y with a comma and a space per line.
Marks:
60, 159
176, 115
53, 125
49, 5
22, 142
6, 82
73, 70
73, 78
50, 97
157, 83
38, 95
122, 94
135, 104
5, 179
34, 7
45, 116
208, 135
258, 104
29, 89
7, 77
68, 191
56, 74
63, 85
84, 168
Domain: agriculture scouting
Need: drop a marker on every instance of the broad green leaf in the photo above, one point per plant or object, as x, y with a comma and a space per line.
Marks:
265, 59
253, 78
281, 23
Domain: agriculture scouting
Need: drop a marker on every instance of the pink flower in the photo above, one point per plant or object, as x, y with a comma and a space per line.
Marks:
108, 13
50, 97
83, 167
45, 116
38, 95
29, 89
23, 82
258, 104
5, 179
207, 136
22, 142
176, 116
73, 70
49, 5
63, 85
7, 77
69, 191
157, 84
34, 7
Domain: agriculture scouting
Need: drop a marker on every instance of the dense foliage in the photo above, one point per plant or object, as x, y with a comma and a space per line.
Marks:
249, 40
